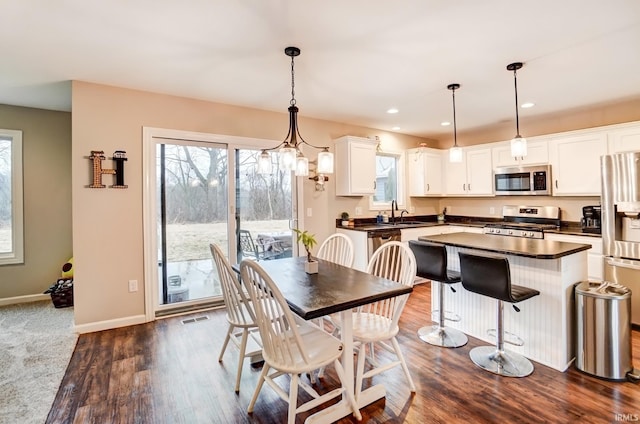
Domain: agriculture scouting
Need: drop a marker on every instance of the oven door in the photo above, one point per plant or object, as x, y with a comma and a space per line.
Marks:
626, 272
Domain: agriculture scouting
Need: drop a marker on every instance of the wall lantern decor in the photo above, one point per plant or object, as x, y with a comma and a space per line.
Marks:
291, 158
119, 157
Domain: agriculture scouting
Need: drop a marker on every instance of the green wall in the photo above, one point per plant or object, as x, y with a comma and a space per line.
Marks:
46, 143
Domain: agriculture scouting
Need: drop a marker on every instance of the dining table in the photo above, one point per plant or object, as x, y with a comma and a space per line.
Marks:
333, 289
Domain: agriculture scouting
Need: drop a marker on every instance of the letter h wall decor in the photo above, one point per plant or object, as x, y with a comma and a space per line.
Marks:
119, 157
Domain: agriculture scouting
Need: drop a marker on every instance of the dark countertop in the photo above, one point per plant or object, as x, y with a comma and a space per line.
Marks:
531, 248
570, 229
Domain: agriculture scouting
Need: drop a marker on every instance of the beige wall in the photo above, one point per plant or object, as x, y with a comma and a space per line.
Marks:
107, 225
46, 142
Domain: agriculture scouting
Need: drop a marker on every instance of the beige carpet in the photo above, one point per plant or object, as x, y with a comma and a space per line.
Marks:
36, 344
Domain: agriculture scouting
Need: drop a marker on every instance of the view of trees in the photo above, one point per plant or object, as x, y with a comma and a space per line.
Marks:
197, 186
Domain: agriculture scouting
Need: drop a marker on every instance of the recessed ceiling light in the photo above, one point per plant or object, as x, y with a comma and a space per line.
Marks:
527, 105
445, 123
392, 110
395, 128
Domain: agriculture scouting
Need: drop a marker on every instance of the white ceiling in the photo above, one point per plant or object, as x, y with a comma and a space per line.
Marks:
359, 57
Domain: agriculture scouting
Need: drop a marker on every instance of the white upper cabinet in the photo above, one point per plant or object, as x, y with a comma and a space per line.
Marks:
425, 172
575, 163
625, 139
355, 166
537, 153
471, 177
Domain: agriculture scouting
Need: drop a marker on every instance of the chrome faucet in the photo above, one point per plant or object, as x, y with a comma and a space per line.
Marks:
402, 214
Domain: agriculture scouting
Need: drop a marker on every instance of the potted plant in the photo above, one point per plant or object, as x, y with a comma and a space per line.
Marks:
345, 219
308, 241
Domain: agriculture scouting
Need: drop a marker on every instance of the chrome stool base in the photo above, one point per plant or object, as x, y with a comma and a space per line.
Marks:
442, 336
505, 363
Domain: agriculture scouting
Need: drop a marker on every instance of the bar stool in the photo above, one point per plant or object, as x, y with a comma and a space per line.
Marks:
491, 277
431, 260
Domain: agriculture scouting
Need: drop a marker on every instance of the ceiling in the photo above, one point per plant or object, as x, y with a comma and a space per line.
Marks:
359, 57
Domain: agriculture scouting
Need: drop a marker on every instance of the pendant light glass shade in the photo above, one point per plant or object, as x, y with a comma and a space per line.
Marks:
518, 147
518, 143
325, 162
455, 153
264, 163
291, 158
302, 166
287, 158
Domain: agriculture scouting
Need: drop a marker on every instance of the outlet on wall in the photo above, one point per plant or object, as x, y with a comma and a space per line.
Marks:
492, 211
133, 286
358, 210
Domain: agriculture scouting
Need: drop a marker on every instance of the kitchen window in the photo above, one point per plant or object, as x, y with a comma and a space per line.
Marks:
11, 218
389, 180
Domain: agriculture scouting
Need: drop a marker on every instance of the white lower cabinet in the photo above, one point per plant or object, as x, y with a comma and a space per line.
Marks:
360, 247
595, 260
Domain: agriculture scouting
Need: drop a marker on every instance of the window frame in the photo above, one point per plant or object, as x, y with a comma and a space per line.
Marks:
401, 181
16, 255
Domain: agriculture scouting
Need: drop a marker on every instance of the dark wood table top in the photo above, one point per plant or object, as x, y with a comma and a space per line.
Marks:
518, 246
333, 289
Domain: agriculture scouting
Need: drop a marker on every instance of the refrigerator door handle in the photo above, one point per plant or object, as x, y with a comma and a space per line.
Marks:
624, 263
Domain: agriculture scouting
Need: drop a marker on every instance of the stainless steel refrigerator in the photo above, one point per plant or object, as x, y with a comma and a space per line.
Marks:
621, 223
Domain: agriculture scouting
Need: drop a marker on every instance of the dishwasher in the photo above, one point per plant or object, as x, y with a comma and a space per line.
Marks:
377, 238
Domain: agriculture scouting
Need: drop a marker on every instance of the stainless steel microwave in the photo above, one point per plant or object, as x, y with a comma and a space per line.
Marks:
534, 180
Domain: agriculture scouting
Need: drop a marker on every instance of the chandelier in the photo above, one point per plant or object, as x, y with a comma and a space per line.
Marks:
290, 155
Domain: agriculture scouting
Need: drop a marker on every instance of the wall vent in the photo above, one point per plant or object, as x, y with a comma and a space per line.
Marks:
196, 319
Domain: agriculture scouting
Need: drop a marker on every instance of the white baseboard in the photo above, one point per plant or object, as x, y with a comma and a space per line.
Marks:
24, 299
110, 324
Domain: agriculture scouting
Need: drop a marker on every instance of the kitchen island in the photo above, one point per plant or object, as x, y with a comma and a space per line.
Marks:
545, 322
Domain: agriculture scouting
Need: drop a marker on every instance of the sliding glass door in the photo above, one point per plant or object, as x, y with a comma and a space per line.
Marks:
202, 189
264, 210
192, 209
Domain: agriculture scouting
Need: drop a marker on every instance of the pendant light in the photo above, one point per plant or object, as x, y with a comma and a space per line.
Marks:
518, 143
291, 157
455, 153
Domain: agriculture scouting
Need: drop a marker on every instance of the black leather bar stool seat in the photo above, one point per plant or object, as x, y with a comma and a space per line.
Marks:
491, 276
431, 261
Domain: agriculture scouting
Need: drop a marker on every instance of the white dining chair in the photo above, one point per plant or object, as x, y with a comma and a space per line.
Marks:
290, 346
240, 314
337, 248
376, 324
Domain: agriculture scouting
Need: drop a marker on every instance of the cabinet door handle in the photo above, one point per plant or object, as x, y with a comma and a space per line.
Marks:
556, 183
469, 186
427, 186
463, 187
374, 184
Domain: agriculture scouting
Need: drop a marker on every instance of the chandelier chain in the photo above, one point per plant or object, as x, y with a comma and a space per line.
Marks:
293, 84
515, 85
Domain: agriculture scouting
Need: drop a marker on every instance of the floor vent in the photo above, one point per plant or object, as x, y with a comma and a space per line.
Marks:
196, 319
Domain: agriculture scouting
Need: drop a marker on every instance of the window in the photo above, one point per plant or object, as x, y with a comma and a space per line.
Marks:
11, 220
389, 180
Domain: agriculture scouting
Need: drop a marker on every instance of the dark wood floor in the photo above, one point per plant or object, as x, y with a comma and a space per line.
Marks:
168, 372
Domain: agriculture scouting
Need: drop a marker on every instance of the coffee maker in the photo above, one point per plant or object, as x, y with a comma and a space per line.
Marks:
591, 219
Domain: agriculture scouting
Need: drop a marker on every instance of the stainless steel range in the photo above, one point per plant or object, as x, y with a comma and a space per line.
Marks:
525, 221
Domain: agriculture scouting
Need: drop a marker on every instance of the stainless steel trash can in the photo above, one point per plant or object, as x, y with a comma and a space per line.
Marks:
603, 329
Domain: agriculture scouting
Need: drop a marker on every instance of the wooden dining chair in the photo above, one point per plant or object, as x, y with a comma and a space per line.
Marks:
337, 248
290, 346
240, 313
376, 324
